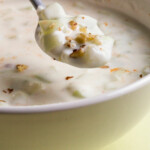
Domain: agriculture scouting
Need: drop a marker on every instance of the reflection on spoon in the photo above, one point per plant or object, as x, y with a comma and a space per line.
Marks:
76, 40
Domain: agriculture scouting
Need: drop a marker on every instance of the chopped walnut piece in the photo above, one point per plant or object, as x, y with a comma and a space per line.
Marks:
82, 46
114, 69
83, 29
105, 67
68, 77
73, 25
59, 29
9, 90
83, 17
70, 45
68, 38
91, 37
4, 91
77, 53
81, 38
21, 68
105, 23
141, 76
2, 59
3, 101
127, 70
94, 39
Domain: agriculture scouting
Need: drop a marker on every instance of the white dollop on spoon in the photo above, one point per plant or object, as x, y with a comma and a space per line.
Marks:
76, 40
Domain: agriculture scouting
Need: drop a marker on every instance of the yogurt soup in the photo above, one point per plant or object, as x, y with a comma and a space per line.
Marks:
76, 40
29, 76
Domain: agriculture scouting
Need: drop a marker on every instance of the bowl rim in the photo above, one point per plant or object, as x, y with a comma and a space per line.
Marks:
79, 103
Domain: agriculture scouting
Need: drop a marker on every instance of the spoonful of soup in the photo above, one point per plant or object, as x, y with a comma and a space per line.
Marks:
76, 40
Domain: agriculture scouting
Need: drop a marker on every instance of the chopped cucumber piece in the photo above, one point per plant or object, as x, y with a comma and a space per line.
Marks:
77, 94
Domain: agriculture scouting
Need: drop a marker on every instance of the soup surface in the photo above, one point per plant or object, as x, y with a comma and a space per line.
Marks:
28, 76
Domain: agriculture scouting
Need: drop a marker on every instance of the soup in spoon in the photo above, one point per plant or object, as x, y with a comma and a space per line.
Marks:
76, 40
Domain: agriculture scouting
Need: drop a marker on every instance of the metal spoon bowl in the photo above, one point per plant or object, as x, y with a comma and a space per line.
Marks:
37, 4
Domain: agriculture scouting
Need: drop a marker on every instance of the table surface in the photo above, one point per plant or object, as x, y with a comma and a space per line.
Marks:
136, 139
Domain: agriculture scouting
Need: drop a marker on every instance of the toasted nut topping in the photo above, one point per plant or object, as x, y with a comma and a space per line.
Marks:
73, 25
21, 68
77, 53
68, 38
105, 23
69, 77
91, 37
114, 69
59, 29
70, 45
2, 59
83, 29
4, 91
2, 101
127, 70
82, 46
9, 90
81, 38
105, 67
141, 76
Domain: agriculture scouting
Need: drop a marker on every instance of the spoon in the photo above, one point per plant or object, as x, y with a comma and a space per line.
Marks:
75, 40
38, 4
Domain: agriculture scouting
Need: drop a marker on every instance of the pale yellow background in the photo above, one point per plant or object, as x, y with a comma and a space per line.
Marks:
137, 139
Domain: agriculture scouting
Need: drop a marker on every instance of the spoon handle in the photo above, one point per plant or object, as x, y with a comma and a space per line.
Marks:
37, 4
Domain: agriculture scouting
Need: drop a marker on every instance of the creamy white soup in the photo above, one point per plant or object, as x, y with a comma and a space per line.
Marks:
76, 40
28, 76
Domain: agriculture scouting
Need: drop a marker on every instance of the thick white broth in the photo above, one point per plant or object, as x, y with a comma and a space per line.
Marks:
28, 76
